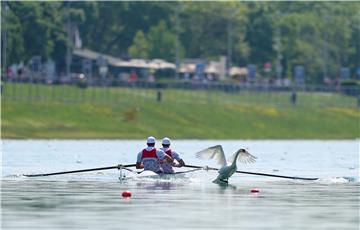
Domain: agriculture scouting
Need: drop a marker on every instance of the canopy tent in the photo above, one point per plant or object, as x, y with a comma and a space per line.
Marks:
187, 68
211, 69
117, 62
238, 71
162, 64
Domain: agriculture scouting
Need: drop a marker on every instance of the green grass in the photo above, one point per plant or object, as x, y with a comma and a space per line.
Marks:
111, 95
124, 113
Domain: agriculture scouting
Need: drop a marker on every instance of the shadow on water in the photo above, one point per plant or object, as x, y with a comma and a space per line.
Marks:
224, 186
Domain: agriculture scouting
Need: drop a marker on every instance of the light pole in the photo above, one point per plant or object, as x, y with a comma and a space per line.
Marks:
229, 46
325, 47
278, 46
279, 56
177, 58
3, 19
68, 41
230, 39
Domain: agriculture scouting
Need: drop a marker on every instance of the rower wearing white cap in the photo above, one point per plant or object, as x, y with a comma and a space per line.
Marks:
168, 167
150, 158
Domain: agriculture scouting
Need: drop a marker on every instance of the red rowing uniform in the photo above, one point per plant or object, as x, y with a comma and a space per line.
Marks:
149, 154
151, 158
169, 152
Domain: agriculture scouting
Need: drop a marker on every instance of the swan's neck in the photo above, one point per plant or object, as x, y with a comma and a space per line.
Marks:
235, 159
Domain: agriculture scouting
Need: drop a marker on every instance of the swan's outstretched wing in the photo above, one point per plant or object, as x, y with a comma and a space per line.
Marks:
216, 152
243, 157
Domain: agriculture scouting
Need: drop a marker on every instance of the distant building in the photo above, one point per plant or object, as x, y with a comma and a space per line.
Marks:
95, 62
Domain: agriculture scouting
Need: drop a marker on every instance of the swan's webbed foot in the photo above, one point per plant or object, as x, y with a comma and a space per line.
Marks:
224, 181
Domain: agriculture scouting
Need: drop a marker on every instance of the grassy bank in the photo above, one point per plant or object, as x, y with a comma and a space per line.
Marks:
129, 120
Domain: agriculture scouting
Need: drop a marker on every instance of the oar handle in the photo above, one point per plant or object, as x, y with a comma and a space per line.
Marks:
81, 170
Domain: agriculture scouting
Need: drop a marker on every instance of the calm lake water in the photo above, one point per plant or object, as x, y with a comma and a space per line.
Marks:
93, 200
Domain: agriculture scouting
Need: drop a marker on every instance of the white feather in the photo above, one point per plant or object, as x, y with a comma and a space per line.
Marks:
243, 156
246, 157
215, 152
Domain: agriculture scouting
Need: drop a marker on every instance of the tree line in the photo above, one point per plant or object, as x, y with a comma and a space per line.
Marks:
321, 36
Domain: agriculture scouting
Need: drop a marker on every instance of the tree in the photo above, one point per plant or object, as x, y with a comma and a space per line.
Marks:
261, 31
140, 47
162, 42
322, 36
14, 41
33, 29
318, 37
205, 29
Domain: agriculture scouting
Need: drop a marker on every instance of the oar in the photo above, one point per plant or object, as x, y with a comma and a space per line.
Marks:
252, 173
82, 170
181, 172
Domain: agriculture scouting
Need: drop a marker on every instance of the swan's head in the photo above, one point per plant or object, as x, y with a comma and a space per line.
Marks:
243, 151
244, 156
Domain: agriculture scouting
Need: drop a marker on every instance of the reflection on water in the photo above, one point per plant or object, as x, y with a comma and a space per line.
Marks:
94, 200
34, 204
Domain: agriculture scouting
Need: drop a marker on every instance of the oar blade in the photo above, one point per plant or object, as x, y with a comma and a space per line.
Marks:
279, 176
33, 175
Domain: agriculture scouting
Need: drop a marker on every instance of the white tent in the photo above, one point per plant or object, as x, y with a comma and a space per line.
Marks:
238, 71
135, 63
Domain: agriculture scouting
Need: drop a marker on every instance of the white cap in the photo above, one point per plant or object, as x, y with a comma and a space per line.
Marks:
151, 140
166, 141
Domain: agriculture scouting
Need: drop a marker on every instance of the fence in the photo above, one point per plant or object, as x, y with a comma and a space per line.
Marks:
144, 92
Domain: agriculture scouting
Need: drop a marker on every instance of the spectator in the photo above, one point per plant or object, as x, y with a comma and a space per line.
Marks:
151, 78
133, 77
9, 73
186, 76
293, 98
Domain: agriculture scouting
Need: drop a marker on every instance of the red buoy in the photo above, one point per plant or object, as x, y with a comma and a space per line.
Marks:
126, 194
254, 190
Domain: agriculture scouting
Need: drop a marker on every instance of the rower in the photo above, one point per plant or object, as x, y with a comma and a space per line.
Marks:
168, 167
150, 158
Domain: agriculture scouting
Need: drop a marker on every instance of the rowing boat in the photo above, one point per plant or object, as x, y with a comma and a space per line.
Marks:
152, 175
